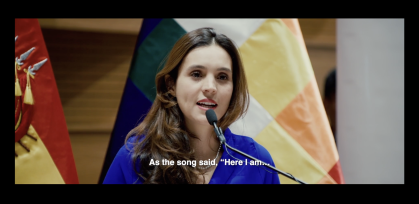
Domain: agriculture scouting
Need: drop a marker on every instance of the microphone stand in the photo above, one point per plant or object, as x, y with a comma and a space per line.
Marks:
223, 141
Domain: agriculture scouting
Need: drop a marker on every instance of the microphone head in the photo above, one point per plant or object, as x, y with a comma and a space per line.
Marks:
211, 116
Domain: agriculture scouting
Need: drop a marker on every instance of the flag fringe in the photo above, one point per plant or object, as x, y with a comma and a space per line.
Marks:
18, 91
28, 92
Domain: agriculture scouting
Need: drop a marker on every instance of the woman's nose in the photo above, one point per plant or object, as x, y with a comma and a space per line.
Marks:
209, 86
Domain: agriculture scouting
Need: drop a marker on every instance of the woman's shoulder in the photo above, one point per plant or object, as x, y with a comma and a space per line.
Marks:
121, 171
126, 150
132, 140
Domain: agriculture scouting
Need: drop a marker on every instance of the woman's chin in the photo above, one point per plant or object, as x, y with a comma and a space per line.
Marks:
202, 121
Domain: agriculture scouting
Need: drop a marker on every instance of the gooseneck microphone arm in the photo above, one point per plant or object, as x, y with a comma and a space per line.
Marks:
219, 133
265, 164
212, 119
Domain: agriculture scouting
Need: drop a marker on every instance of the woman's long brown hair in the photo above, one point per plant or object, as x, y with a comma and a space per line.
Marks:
162, 134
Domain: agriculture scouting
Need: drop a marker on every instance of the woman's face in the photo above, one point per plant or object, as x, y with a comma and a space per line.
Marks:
205, 80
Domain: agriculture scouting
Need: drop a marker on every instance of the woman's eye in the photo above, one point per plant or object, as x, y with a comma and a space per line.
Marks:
196, 74
223, 77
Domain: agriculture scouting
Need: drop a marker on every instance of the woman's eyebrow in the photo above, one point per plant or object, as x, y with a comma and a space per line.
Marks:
196, 67
203, 67
224, 69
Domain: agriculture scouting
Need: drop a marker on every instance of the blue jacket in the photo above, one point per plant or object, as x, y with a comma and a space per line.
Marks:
121, 170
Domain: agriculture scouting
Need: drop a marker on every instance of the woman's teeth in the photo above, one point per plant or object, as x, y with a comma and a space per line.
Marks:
206, 104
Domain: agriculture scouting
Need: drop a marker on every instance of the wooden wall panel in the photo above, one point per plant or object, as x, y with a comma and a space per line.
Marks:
91, 69
319, 32
89, 152
108, 25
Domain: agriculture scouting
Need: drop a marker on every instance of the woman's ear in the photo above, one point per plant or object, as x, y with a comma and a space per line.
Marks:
170, 84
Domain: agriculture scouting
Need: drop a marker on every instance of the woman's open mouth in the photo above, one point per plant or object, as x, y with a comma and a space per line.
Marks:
206, 104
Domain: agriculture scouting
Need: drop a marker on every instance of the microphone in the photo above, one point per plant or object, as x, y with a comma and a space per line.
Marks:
212, 119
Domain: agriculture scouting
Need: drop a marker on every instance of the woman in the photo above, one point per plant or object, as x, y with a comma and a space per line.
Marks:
175, 143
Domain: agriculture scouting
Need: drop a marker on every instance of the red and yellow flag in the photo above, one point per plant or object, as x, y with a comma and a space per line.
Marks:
43, 152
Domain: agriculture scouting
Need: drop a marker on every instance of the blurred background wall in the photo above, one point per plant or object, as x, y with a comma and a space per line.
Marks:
91, 59
370, 102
